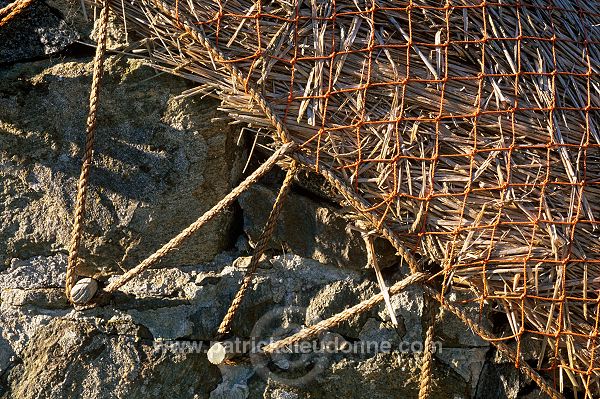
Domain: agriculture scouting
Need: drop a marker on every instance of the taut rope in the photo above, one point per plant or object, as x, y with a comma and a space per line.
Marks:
261, 245
77, 232
202, 220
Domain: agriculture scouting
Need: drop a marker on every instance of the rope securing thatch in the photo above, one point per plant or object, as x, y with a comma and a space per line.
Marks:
261, 245
76, 235
202, 220
466, 132
313, 331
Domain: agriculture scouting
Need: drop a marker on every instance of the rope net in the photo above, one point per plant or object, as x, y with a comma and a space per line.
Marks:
468, 130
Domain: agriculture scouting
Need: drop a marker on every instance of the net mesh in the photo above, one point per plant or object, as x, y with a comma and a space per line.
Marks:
469, 129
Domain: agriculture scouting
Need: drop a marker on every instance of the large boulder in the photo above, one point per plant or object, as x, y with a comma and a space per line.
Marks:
160, 161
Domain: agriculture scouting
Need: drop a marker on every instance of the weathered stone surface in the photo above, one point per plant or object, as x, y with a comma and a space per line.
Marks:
158, 164
48, 27
51, 298
234, 383
334, 298
37, 272
467, 362
282, 281
310, 229
7, 357
498, 381
454, 332
409, 308
111, 351
75, 17
71, 358
375, 330
38, 31
391, 375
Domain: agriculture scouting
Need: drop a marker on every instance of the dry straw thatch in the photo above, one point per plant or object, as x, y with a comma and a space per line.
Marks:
468, 130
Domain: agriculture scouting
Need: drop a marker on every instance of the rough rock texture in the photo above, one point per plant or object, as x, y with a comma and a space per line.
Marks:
38, 31
159, 163
48, 27
311, 229
150, 341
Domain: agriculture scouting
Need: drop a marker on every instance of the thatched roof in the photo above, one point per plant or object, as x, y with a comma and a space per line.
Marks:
468, 131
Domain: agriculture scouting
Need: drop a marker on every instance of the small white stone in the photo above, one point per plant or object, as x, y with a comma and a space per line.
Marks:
84, 290
217, 353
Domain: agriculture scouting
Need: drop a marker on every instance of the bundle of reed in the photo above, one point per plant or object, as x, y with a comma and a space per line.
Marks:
467, 129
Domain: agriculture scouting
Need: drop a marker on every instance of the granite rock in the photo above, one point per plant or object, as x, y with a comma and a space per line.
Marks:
159, 163
39, 31
150, 340
311, 228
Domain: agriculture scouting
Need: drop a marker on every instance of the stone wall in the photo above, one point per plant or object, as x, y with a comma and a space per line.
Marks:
160, 162
151, 339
